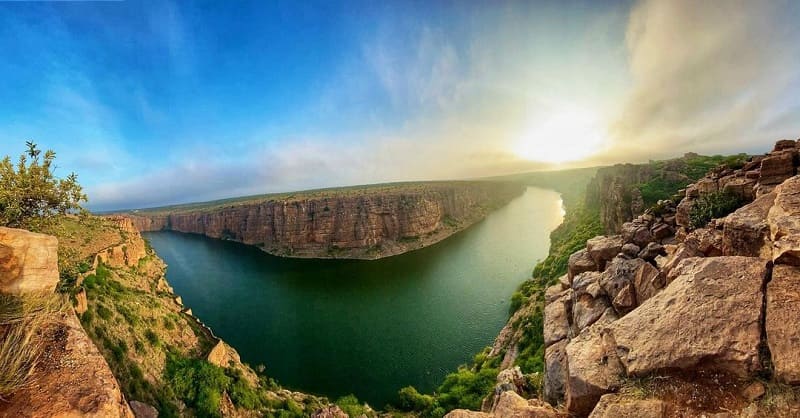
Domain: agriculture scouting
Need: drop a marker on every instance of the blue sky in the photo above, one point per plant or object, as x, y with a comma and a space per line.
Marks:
163, 102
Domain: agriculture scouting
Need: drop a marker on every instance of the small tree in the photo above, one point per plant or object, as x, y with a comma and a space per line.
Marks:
31, 195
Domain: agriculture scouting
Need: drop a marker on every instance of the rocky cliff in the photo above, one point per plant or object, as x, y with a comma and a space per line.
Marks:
366, 222
672, 318
68, 376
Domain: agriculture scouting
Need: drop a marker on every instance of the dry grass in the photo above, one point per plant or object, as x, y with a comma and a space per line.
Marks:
21, 320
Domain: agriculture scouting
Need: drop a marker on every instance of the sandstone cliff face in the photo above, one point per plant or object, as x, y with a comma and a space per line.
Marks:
373, 224
28, 261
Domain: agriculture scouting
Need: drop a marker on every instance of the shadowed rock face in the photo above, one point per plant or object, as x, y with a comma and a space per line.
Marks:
372, 223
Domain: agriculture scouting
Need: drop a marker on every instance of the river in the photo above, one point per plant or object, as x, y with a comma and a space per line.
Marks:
335, 327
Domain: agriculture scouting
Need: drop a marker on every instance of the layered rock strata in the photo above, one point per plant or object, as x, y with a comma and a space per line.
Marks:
370, 223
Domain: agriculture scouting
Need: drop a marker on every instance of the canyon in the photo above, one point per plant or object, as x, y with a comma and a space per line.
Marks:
683, 310
364, 222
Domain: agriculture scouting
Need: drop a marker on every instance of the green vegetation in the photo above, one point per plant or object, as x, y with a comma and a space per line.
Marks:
711, 206
197, 383
351, 405
673, 175
30, 194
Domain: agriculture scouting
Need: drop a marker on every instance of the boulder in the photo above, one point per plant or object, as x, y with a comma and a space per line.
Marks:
555, 372
661, 230
746, 231
511, 405
648, 281
636, 233
593, 369
586, 309
777, 167
783, 323
553, 292
682, 212
630, 250
333, 411
743, 187
710, 313
580, 262
707, 241
652, 251
556, 319
681, 253
784, 223
143, 410
784, 144
617, 406
602, 249
706, 186
28, 261
618, 283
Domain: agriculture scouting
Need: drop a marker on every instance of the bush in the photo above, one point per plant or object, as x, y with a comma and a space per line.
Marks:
351, 405
411, 400
517, 299
197, 383
711, 206
30, 195
466, 388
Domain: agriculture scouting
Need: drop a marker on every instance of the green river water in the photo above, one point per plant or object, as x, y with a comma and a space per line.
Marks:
334, 327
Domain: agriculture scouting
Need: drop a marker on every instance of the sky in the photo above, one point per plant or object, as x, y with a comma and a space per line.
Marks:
160, 102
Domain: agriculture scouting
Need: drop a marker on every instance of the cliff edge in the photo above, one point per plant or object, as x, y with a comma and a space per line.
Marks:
365, 222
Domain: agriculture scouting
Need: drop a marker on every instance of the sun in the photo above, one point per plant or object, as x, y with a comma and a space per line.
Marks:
566, 133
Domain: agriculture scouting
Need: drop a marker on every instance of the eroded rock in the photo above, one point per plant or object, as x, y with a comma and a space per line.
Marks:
602, 249
580, 262
616, 406
784, 223
555, 372
710, 314
783, 323
28, 261
746, 231
593, 369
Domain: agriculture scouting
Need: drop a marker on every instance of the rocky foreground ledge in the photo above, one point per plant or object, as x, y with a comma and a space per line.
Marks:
364, 222
667, 320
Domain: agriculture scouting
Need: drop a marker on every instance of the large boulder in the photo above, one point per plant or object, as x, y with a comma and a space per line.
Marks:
647, 281
784, 223
580, 262
602, 249
743, 187
777, 167
710, 314
511, 405
28, 261
555, 372
746, 231
556, 319
783, 323
593, 369
617, 406
588, 300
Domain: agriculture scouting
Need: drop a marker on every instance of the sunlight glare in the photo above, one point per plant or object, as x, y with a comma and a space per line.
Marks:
568, 133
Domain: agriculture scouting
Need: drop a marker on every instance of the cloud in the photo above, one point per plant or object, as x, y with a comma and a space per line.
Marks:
708, 76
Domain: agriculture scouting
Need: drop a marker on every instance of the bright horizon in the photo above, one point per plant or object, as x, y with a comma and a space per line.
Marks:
169, 102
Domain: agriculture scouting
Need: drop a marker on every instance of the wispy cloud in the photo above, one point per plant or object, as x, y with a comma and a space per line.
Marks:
708, 75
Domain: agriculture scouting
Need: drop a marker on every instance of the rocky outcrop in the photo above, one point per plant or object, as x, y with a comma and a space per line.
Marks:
511, 405
370, 222
73, 379
70, 377
782, 328
28, 261
127, 253
709, 316
614, 406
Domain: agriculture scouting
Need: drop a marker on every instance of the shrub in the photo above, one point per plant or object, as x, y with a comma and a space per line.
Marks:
351, 405
411, 400
466, 388
197, 383
713, 205
151, 336
517, 299
31, 195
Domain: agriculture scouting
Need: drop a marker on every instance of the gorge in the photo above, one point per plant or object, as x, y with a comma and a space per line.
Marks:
363, 222
335, 327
